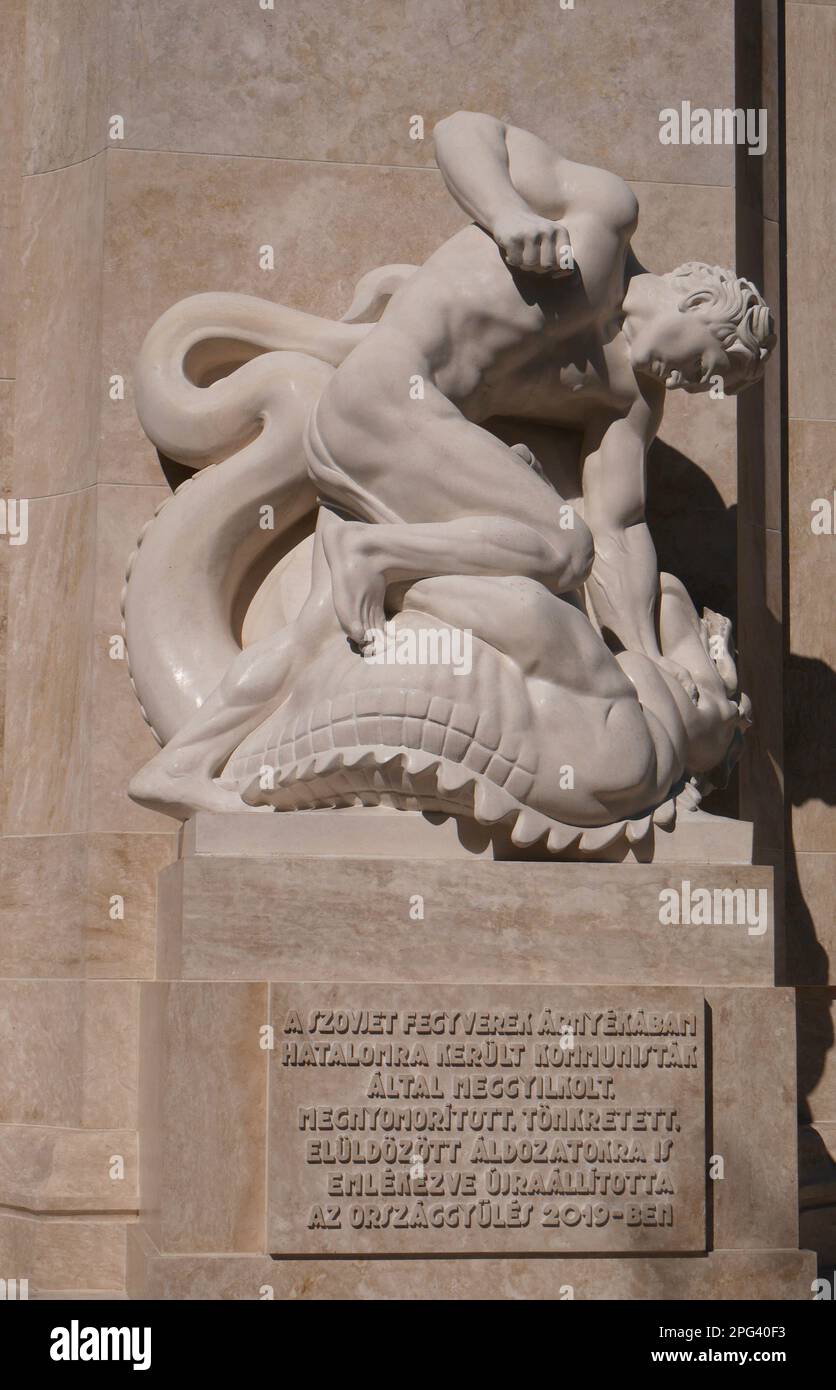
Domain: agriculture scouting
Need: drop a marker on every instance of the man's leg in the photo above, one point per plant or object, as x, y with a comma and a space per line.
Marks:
366, 559
473, 506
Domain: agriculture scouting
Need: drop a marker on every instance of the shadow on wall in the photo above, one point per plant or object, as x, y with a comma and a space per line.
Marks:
694, 532
810, 688
810, 759
695, 535
695, 538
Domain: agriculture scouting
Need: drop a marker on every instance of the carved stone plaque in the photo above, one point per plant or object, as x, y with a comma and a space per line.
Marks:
464, 1119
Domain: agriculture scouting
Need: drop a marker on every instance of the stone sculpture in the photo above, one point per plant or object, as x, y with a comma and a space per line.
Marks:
596, 698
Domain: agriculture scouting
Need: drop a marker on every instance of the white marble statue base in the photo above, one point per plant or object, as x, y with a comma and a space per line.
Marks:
382, 832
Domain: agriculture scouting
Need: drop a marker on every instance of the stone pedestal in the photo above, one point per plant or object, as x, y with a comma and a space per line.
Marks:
463, 1078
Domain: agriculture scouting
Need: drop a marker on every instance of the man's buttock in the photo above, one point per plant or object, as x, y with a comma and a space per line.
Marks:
335, 482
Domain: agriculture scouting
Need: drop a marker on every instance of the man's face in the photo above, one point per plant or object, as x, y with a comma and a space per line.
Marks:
680, 350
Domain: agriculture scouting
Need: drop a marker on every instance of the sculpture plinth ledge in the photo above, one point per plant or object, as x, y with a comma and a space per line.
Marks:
412, 568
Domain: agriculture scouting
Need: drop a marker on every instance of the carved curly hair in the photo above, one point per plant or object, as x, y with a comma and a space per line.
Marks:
735, 311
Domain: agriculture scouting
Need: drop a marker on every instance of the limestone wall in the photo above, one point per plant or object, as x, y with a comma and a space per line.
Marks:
289, 126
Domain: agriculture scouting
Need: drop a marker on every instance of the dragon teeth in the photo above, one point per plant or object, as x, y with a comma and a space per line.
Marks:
528, 827
418, 761
561, 837
601, 836
637, 829
665, 815
452, 777
491, 803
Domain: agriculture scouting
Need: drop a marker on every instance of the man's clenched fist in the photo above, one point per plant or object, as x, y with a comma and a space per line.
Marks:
534, 243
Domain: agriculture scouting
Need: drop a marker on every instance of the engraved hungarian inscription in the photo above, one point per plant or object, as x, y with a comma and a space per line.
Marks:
486, 1119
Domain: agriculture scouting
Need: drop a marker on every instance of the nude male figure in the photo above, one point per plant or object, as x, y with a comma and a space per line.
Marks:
494, 326
537, 310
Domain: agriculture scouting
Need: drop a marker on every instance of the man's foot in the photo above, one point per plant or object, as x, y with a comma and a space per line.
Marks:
181, 794
717, 635
357, 580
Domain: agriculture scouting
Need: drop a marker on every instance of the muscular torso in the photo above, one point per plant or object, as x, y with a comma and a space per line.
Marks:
494, 340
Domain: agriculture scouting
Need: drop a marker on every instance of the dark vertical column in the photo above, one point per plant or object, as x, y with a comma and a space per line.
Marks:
762, 450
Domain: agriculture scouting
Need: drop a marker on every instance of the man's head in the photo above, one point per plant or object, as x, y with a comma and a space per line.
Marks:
706, 323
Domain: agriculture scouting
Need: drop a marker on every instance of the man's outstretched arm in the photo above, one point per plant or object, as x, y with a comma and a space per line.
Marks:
507, 180
624, 582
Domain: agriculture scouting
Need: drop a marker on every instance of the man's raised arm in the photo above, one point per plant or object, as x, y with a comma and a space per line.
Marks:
472, 152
